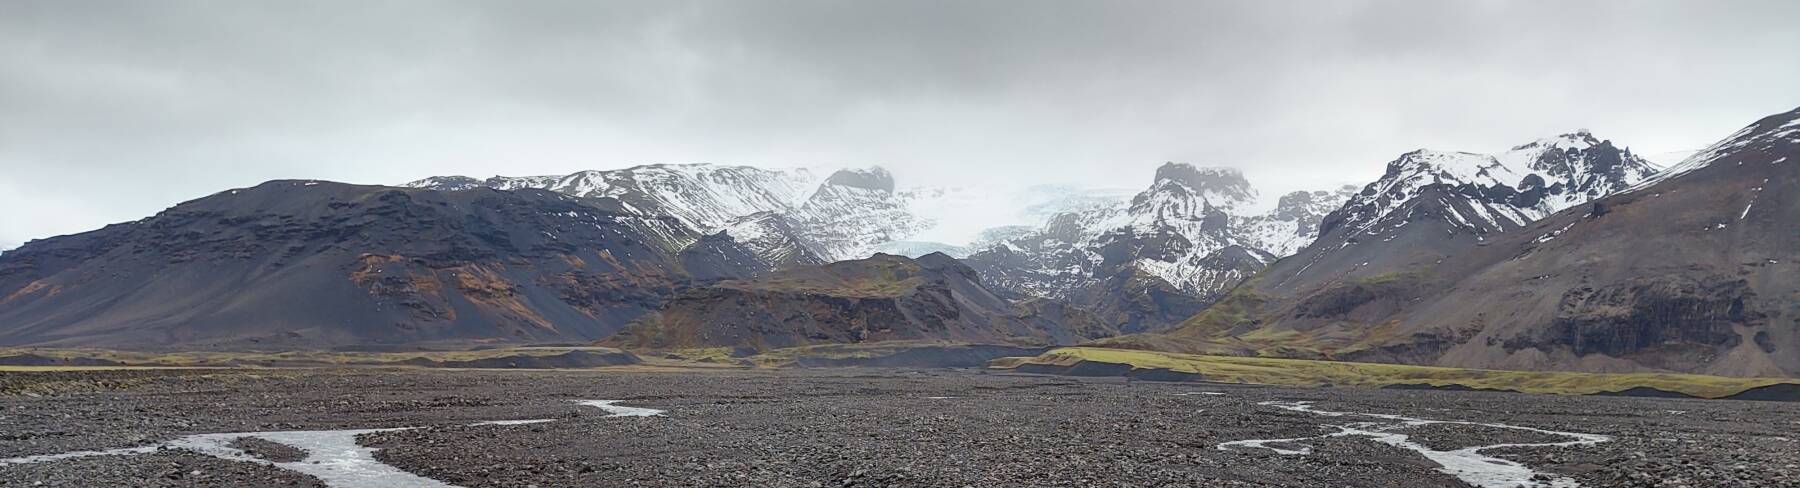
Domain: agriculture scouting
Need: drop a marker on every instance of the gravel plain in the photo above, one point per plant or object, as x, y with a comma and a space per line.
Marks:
858, 427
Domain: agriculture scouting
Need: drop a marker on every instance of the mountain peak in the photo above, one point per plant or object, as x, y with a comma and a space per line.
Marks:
1198, 177
447, 183
1580, 139
1589, 277
1450, 166
872, 178
1218, 185
1577, 167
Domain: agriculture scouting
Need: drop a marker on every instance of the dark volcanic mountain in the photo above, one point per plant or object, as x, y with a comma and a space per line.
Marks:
1693, 270
307, 264
882, 298
290, 264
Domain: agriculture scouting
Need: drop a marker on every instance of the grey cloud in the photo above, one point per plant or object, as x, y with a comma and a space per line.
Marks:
114, 110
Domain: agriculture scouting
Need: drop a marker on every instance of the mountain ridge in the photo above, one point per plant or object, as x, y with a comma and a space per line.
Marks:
1147, 263
880, 298
1681, 271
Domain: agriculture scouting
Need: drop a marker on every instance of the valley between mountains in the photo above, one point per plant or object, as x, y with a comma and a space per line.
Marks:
784, 327
1567, 253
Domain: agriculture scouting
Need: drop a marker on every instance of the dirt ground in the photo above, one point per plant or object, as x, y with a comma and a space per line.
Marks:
865, 427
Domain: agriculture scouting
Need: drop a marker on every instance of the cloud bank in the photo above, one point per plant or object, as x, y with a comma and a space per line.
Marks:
112, 111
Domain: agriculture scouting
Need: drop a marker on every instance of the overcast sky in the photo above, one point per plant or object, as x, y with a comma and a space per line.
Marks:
114, 111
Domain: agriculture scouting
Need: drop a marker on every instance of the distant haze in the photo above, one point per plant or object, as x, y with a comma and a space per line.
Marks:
113, 111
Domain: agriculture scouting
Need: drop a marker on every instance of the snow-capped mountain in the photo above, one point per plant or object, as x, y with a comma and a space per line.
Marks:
969, 218
1483, 194
1479, 194
855, 210
840, 216
1430, 204
1194, 232
773, 237
1182, 229
1294, 222
831, 215
1196, 229
1572, 169
752, 245
1691, 269
1175, 230
1767, 135
703, 196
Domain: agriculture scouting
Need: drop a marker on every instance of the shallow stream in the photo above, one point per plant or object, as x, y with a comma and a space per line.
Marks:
333, 456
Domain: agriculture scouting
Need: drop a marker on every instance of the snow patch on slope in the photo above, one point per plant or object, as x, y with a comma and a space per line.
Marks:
1764, 134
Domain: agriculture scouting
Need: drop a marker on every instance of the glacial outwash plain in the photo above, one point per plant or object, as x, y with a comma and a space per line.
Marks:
900, 244
551, 332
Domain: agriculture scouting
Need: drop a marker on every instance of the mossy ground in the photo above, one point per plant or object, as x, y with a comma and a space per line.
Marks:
203, 359
1310, 373
872, 278
679, 358
1236, 310
787, 355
